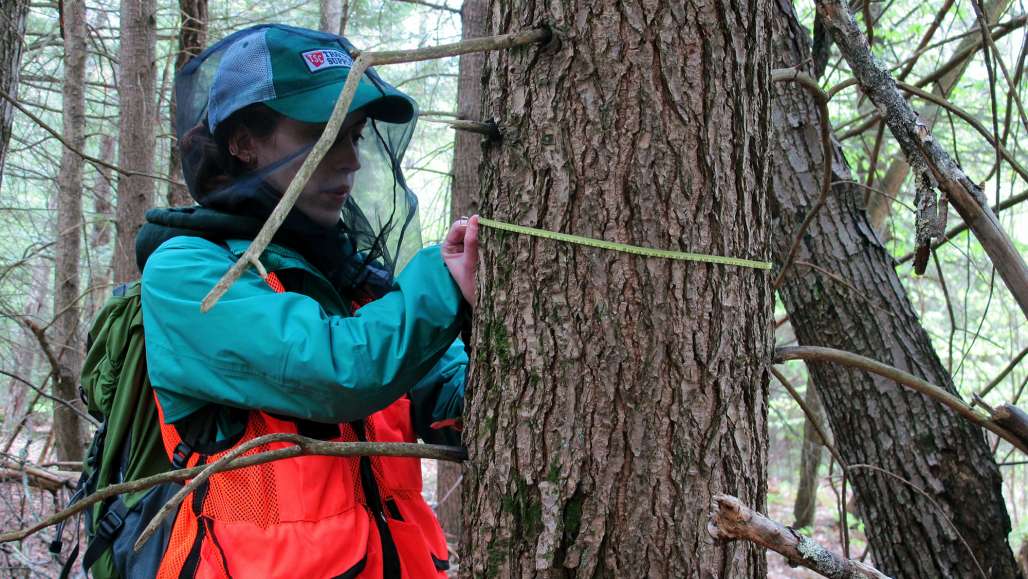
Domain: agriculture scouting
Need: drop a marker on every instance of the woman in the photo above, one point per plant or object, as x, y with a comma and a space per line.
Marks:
329, 345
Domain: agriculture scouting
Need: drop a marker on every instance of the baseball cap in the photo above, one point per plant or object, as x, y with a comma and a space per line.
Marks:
299, 74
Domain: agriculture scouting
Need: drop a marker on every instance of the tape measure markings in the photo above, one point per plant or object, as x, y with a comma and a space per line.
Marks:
624, 248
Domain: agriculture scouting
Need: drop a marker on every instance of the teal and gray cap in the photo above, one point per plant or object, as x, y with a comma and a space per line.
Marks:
298, 75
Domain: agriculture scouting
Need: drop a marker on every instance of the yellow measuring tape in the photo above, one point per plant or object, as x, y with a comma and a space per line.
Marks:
602, 244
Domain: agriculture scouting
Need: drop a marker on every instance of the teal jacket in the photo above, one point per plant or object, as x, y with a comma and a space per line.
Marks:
301, 353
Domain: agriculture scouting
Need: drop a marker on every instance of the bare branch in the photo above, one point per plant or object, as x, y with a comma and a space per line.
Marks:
306, 447
821, 354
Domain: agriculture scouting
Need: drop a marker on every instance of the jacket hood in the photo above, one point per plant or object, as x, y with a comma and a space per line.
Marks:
329, 249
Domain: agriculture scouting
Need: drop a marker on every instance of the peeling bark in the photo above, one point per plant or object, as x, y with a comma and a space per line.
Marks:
612, 396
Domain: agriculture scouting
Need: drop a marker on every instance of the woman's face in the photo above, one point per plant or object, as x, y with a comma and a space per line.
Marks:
326, 191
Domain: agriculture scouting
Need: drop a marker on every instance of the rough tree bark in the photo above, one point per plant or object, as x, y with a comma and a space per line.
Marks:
850, 298
880, 206
810, 461
12, 33
612, 395
136, 129
192, 39
67, 342
467, 155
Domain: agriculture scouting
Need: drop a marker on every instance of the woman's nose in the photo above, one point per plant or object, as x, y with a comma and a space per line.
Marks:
345, 156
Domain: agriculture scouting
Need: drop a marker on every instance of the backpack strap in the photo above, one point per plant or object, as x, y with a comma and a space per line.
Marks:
110, 524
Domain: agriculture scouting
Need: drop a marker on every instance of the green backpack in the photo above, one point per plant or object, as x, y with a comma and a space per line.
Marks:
127, 445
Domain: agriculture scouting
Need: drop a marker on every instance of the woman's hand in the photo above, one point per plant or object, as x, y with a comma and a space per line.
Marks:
460, 253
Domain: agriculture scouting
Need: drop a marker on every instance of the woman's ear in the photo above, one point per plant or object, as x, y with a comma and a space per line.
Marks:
243, 146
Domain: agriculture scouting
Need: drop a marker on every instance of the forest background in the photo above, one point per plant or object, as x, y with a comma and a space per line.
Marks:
975, 326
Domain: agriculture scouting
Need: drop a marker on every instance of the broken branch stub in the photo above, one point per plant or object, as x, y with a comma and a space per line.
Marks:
730, 520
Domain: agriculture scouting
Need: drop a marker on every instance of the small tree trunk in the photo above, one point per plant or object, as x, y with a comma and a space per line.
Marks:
613, 395
192, 38
67, 343
12, 34
875, 421
100, 233
810, 460
136, 136
331, 16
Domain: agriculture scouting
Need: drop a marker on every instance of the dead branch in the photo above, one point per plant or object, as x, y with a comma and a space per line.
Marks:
38, 477
304, 447
957, 230
363, 60
1013, 419
821, 354
730, 520
811, 86
924, 154
432, 6
42, 393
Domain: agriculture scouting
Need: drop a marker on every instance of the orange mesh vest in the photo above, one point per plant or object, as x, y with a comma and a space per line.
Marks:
308, 516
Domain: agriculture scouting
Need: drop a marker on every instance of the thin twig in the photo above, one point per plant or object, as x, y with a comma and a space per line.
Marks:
999, 377
94, 160
311, 447
811, 86
61, 401
808, 413
822, 354
364, 60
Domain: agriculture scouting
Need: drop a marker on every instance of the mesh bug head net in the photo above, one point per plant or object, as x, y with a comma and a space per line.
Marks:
249, 110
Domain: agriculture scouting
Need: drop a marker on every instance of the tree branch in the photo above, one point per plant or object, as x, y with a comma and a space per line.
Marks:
306, 447
364, 60
821, 354
730, 520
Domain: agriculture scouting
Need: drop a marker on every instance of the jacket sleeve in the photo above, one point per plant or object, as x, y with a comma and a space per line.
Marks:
439, 397
281, 352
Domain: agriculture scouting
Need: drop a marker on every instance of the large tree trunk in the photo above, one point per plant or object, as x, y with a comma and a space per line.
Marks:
192, 38
851, 298
805, 508
467, 156
67, 343
879, 207
136, 130
12, 34
613, 395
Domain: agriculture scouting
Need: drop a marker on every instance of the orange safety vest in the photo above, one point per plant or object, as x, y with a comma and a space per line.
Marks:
308, 516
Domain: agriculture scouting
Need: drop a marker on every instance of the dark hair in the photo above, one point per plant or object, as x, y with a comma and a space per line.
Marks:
210, 164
